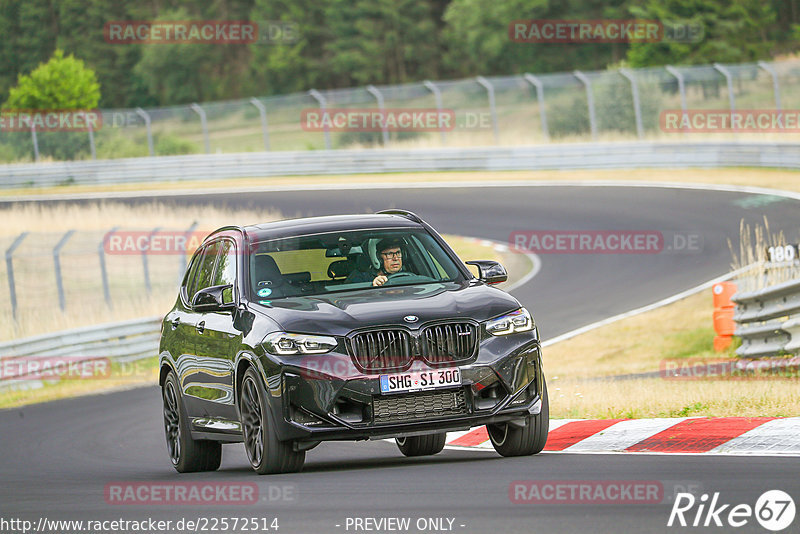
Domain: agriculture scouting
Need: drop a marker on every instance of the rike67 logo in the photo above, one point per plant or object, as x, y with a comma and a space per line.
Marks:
774, 510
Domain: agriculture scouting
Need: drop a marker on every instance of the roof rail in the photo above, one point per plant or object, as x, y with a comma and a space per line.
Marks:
403, 213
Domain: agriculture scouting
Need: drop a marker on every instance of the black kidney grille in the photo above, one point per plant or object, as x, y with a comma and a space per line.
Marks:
382, 350
448, 343
418, 406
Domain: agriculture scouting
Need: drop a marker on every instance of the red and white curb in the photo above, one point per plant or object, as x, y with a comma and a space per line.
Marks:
687, 435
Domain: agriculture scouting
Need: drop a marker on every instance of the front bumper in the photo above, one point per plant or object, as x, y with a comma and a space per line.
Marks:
503, 384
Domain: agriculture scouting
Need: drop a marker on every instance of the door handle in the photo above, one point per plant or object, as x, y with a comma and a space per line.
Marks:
175, 322
201, 326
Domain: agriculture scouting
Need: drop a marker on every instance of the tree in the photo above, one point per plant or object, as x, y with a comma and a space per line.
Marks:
734, 31
61, 83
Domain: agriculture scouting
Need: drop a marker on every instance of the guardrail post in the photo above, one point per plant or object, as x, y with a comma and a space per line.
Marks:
144, 258
537, 83
590, 102
776, 88
682, 88
204, 123
12, 288
492, 107
57, 268
322, 106
262, 111
101, 251
35, 142
731, 97
637, 108
146, 117
437, 95
379, 97
183, 255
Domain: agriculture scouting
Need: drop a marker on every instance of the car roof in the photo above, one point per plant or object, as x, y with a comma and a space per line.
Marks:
325, 224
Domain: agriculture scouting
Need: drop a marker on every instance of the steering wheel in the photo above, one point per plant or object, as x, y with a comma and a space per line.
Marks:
394, 276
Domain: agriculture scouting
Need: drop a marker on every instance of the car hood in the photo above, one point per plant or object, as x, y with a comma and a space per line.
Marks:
339, 313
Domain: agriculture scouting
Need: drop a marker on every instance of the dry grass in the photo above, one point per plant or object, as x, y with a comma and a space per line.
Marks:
665, 398
771, 178
38, 310
639, 344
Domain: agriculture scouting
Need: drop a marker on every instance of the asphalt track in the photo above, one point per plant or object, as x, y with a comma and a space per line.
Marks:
58, 457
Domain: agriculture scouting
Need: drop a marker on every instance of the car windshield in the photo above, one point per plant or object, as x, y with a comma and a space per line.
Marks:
343, 261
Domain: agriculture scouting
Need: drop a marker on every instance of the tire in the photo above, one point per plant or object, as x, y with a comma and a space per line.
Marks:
421, 445
186, 454
510, 440
266, 453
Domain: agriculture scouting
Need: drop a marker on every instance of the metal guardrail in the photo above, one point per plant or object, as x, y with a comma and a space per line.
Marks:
623, 155
769, 320
120, 342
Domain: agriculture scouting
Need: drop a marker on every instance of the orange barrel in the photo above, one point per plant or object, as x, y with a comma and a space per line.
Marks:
723, 292
723, 321
722, 342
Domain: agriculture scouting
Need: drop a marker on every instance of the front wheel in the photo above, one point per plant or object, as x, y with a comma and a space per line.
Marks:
510, 440
421, 445
266, 453
186, 454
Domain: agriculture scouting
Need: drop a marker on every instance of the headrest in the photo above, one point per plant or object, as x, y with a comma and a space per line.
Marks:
341, 268
266, 272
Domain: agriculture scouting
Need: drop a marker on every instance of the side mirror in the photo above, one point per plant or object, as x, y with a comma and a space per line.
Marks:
213, 299
489, 271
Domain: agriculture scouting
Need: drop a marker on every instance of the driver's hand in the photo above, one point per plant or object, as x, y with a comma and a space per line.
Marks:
379, 280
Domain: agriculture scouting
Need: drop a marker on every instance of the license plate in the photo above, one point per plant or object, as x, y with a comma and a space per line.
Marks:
420, 380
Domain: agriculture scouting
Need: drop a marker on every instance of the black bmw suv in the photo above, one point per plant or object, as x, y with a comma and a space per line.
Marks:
351, 327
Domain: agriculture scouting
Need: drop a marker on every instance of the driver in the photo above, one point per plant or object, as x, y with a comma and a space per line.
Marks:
390, 254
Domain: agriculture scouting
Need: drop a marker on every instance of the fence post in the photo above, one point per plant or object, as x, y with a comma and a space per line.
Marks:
731, 97
62, 302
637, 108
12, 288
437, 95
682, 88
92, 146
35, 142
775, 85
590, 102
322, 106
144, 258
183, 255
204, 123
103, 271
537, 83
492, 107
262, 111
379, 97
146, 117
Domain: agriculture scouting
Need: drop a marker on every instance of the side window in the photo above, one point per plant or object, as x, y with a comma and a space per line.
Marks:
226, 269
188, 281
205, 269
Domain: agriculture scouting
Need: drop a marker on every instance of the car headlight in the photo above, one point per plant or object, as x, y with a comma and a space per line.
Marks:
516, 321
286, 344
